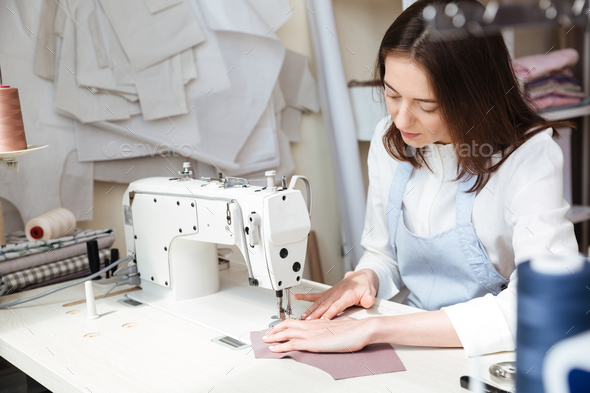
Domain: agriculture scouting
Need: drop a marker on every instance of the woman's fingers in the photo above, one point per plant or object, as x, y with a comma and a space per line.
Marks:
344, 298
367, 300
288, 334
323, 307
308, 297
293, 345
316, 298
336, 308
311, 311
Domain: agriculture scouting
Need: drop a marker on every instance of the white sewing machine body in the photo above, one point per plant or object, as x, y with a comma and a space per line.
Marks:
174, 227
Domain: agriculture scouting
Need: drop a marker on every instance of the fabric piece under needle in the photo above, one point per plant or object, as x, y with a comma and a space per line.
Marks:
372, 360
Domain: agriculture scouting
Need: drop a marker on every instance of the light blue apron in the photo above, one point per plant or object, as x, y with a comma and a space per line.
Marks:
447, 268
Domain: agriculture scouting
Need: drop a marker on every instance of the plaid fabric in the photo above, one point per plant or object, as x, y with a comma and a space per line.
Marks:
50, 271
17, 244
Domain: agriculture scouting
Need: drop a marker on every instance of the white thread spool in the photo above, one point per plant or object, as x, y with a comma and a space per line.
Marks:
51, 225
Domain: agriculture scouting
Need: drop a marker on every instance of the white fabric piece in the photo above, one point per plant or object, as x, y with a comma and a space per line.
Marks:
160, 87
89, 71
128, 97
291, 123
97, 35
261, 17
36, 188
297, 83
254, 62
237, 72
45, 54
286, 165
60, 18
261, 150
278, 99
519, 215
134, 108
160, 5
110, 140
274, 12
300, 93
161, 90
124, 74
126, 171
77, 101
189, 67
150, 38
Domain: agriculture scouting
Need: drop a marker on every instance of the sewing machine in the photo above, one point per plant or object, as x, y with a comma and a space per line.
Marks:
174, 226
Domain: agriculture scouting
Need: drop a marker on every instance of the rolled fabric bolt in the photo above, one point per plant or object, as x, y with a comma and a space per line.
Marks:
93, 258
90, 305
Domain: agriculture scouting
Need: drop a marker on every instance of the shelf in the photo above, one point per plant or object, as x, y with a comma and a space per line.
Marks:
578, 214
567, 113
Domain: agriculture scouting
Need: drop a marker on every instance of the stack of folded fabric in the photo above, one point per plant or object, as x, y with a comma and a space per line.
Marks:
24, 264
548, 81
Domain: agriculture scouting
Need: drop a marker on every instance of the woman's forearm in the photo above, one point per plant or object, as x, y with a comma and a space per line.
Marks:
431, 329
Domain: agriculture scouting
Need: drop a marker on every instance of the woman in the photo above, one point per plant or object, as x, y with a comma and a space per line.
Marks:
465, 183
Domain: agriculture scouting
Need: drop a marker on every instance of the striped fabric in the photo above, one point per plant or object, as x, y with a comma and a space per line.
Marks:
39, 274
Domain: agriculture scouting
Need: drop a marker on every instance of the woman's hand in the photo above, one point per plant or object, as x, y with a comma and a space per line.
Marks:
356, 289
341, 335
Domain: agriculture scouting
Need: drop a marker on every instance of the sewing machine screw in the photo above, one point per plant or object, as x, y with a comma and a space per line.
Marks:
247, 230
192, 204
283, 253
166, 283
155, 200
296, 266
177, 203
165, 248
152, 278
284, 197
135, 236
298, 278
280, 283
194, 227
180, 230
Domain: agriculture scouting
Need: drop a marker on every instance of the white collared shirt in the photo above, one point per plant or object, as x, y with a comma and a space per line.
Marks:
520, 214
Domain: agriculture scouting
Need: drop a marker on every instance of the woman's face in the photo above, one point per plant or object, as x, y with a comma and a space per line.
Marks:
412, 104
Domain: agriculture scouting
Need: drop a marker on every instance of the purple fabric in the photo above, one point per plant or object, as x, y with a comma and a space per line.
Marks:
372, 360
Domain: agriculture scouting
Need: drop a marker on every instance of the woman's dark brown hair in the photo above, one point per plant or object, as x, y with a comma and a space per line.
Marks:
472, 78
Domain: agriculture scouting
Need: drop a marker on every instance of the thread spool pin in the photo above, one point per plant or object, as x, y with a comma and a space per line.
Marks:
90, 304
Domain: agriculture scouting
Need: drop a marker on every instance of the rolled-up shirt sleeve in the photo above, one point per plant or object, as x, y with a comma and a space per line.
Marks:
378, 254
535, 210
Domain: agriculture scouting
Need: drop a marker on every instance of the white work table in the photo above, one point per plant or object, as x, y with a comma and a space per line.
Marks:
164, 353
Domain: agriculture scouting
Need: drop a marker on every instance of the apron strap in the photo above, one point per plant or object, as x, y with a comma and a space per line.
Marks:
464, 201
395, 198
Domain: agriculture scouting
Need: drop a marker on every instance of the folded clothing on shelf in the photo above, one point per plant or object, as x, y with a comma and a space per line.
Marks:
532, 67
43, 274
553, 101
17, 244
38, 259
558, 83
547, 80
